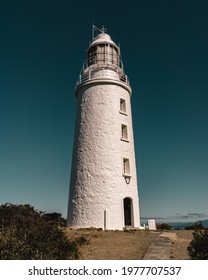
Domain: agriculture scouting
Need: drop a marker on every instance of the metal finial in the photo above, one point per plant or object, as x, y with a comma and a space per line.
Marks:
103, 29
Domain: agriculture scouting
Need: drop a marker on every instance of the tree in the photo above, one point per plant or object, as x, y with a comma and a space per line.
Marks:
26, 234
198, 248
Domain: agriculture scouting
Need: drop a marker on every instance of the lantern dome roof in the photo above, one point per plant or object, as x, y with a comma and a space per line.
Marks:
103, 38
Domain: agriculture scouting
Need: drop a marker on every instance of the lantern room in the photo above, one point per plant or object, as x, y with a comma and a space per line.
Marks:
103, 51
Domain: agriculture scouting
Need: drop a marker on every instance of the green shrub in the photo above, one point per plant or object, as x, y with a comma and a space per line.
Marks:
164, 226
195, 226
26, 234
198, 247
55, 217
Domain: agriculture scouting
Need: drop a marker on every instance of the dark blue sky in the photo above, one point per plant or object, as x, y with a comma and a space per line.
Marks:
164, 49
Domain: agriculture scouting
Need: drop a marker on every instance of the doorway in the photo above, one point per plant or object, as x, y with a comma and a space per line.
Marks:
127, 202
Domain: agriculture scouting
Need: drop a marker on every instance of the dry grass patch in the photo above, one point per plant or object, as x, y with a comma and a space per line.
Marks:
180, 244
113, 245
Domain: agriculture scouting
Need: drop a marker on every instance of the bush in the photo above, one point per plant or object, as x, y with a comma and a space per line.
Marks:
198, 248
195, 226
55, 217
164, 226
26, 234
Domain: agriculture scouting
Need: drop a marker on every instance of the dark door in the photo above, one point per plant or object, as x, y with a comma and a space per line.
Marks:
127, 211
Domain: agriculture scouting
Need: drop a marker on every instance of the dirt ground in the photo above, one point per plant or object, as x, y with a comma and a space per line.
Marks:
126, 245
180, 244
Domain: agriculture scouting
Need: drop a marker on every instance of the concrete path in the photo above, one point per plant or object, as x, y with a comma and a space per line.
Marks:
160, 248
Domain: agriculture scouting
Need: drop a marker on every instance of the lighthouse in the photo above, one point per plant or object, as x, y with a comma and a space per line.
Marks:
103, 186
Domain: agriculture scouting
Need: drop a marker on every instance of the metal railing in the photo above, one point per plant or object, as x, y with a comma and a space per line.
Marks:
97, 71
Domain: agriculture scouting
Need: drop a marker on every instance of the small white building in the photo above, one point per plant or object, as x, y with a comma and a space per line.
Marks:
103, 186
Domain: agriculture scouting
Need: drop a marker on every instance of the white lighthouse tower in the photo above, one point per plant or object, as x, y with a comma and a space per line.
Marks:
103, 187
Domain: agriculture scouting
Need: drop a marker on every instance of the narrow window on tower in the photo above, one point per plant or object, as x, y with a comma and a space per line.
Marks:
124, 133
122, 106
126, 166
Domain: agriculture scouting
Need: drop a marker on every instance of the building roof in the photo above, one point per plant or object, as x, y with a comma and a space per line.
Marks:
102, 38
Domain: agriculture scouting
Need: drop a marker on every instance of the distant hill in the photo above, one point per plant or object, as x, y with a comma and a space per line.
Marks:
182, 225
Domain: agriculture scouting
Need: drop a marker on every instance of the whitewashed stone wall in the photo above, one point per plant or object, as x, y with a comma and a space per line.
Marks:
97, 186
